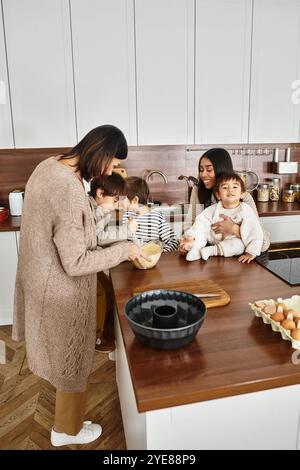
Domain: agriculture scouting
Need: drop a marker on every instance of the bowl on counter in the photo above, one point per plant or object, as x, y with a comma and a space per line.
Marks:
151, 316
153, 251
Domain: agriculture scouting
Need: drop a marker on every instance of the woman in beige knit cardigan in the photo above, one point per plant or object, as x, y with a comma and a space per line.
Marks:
55, 292
213, 163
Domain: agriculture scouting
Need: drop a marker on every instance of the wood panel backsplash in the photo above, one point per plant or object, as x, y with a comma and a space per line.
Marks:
16, 165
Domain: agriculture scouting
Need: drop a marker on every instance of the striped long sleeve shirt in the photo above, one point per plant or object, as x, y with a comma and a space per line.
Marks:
153, 226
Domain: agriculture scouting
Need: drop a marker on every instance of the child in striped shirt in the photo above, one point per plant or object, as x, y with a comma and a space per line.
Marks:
151, 223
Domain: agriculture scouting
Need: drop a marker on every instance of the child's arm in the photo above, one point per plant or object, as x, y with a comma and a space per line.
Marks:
167, 236
102, 221
111, 233
202, 225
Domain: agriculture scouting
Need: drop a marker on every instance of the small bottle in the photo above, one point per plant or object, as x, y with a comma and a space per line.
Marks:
263, 192
288, 195
296, 189
275, 189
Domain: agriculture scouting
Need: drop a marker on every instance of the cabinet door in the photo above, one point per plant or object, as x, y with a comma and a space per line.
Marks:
104, 74
275, 66
282, 228
8, 269
6, 134
40, 70
222, 70
164, 69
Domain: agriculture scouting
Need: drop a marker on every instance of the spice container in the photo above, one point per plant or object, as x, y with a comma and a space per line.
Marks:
296, 190
263, 192
288, 195
275, 189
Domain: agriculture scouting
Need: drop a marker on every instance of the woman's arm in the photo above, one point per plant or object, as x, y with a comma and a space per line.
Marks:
227, 227
69, 232
248, 199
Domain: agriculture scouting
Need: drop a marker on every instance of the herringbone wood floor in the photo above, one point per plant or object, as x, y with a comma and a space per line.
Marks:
27, 403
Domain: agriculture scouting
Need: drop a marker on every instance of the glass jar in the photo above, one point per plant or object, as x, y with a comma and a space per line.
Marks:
275, 189
296, 190
288, 195
263, 192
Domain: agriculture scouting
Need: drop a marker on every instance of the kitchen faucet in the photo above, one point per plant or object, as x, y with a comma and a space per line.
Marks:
153, 172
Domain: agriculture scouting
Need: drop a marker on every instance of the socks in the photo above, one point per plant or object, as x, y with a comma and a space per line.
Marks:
197, 252
193, 254
208, 251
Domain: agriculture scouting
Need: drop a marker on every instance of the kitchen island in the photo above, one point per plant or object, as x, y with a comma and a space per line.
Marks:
234, 387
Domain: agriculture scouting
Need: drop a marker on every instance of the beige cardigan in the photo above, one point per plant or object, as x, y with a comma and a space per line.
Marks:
55, 292
195, 208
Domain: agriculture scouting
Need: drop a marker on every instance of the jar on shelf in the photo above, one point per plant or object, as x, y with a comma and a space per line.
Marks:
288, 195
275, 189
296, 190
263, 192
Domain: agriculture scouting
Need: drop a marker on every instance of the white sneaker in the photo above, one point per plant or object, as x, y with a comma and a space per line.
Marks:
89, 433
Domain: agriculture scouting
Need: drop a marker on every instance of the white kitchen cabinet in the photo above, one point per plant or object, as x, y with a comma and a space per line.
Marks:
8, 269
222, 70
268, 419
39, 52
275, 66
6, 130
282, 228
165, 71
104, 65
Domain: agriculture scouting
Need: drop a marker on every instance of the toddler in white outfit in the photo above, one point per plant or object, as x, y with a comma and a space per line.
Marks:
229, 191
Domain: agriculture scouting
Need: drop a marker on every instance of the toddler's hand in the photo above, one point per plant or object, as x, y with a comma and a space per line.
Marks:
185, 244
246, 258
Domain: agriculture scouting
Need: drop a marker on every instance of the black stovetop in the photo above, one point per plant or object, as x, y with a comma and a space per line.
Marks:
283, 262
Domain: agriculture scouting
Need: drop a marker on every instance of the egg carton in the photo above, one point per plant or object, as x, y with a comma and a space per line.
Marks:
291, 303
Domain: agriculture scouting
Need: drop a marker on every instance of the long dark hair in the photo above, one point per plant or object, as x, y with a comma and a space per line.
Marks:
222, 163
97, 149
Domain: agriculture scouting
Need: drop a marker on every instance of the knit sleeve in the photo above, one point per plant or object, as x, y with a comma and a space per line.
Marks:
108, 231
69, 238
194, 209
251, 231
248, 199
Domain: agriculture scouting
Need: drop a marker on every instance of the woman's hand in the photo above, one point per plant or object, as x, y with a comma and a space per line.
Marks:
226, 227
246, 258
185, 244
135, 252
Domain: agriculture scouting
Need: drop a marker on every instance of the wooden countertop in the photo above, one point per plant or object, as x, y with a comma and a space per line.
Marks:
268, 209
234, 352
11, 224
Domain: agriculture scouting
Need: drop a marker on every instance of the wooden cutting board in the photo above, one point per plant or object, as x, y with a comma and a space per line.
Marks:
193, 287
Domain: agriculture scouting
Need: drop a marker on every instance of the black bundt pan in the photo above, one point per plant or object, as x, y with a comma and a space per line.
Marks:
191, 313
